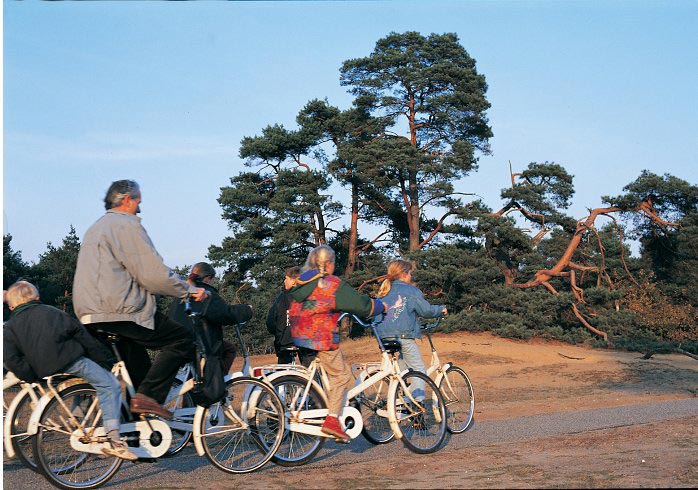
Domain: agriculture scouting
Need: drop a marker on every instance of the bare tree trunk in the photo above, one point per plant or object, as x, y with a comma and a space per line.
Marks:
353, 231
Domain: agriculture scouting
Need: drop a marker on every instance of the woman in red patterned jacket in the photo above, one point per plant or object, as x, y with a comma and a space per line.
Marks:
318, 299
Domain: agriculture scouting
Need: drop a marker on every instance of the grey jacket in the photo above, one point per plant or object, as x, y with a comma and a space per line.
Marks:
405, 303
119, 272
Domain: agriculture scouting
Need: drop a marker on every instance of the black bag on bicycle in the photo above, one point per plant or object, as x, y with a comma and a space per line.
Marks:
209, 382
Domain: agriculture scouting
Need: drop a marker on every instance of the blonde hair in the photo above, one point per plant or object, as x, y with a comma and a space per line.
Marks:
396, 268
318, 258
21, 292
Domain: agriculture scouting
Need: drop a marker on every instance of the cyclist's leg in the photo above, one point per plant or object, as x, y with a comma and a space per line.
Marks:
107, 387
340, 378
412, 357
175, 343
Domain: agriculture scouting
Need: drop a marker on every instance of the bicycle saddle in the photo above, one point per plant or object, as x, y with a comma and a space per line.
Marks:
392, 345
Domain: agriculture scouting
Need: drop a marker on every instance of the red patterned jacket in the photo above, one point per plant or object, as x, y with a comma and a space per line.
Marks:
317, 303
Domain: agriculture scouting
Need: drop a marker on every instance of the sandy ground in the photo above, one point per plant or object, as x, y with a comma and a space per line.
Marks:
513, 378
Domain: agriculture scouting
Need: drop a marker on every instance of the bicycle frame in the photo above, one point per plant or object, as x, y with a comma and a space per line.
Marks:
310, 421
435, 365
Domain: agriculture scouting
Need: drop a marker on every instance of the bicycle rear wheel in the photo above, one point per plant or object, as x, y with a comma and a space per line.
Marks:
63, 466
423, 424
297, 448
460, 400
373, 404
243, 432
23, 444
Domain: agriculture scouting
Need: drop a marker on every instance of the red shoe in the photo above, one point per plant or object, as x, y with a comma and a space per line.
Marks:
332, 427
141, 403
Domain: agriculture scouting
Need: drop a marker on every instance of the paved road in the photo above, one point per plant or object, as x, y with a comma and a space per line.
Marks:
187, 470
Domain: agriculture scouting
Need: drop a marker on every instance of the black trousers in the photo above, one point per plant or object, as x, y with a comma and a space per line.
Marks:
174, 342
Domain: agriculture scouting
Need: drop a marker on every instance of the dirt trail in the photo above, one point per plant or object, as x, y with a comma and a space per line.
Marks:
513, 378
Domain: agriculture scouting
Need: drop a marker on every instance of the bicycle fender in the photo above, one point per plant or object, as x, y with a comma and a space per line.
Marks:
392, 390
7, 426
196, 430
269, 379
33, 425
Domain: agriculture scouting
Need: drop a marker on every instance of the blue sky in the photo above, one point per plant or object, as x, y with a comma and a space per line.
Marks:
163, 93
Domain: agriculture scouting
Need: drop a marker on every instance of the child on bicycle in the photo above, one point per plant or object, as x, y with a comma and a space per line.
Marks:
40, 340
405, 302
216, 313
318, 299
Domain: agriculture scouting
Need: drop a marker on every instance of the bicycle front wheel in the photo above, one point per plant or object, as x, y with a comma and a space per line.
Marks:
62, 465
244, 431
23, 444
460, 400
421, 418
373, 404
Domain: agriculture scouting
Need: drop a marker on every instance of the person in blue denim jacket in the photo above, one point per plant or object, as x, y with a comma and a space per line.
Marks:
404, 303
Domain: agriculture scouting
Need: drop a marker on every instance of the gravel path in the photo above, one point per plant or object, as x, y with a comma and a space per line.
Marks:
188, 471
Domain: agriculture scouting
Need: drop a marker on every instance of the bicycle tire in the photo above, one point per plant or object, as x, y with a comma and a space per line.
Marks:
296, 448
22, 444
373, 405
63, 466
423, 429
180, 438
460, 399
241, 434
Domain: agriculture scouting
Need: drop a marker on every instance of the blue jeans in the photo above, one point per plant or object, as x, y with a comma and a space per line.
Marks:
412, 358
107, 387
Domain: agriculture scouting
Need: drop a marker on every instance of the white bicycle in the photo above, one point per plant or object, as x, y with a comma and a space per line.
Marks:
238, 435
452, 380
419, 423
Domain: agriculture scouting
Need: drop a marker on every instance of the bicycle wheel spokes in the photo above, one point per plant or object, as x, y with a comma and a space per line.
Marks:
373, 403
62, 465
460, 401
422, 420
297, 448
243, 433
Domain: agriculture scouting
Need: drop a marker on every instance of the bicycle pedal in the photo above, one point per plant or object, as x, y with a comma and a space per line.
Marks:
341, 440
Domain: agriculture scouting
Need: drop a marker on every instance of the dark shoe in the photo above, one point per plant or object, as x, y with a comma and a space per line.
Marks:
144, 404
120, 450
332, 427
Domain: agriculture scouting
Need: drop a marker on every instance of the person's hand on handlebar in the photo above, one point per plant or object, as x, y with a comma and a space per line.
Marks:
200, 294
444, 312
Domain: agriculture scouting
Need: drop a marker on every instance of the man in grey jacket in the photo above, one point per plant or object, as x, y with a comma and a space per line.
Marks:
118, 274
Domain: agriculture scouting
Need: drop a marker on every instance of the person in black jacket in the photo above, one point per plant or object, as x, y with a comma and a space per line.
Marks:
216, 313
278, 323
40, 340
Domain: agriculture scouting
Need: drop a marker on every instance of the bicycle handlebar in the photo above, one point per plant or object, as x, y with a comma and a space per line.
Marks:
427, 326
358, 320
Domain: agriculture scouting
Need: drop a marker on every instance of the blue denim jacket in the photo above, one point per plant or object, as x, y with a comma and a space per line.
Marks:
405, 303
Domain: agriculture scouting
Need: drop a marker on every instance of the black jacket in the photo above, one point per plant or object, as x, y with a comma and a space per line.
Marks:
40, 340
277, 321
216, 314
